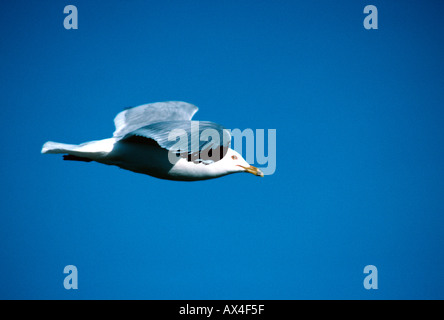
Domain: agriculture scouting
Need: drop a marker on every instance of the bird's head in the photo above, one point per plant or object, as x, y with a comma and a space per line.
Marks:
234, 162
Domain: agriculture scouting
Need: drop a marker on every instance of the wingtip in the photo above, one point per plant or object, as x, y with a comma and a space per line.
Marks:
44, 148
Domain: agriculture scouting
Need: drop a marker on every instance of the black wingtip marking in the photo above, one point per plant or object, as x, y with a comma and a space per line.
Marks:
70, 157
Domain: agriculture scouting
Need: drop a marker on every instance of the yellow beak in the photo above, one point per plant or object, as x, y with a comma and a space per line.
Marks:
253, 170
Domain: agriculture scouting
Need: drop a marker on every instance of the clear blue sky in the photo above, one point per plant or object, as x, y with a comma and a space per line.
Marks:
359, 180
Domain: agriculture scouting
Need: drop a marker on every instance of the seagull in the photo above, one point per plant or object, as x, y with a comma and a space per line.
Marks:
160, 140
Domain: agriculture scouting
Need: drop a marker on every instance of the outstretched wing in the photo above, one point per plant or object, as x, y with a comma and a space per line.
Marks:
192, 139
134, 118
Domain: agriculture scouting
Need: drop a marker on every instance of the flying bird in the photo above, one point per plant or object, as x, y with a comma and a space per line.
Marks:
160, 139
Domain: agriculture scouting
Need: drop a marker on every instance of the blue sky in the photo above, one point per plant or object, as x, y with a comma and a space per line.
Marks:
359, 179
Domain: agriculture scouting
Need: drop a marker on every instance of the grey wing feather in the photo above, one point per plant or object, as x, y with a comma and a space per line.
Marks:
134, 118
185, 136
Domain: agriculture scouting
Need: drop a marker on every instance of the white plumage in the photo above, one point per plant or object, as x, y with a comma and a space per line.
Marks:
160, 140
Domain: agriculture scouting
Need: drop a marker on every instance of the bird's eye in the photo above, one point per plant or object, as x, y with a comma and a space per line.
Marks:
234, 157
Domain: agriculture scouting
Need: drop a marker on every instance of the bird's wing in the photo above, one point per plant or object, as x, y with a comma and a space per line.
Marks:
198, 138
136, 117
